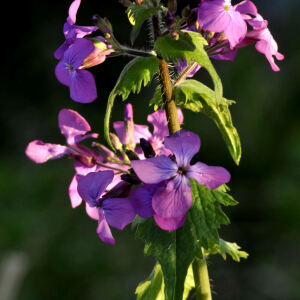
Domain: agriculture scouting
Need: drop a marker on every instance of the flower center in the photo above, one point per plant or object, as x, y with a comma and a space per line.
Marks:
226, 7
182, 170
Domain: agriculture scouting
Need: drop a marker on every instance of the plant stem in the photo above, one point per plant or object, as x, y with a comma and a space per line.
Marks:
185, 73
202, 284
170, 104
112, 168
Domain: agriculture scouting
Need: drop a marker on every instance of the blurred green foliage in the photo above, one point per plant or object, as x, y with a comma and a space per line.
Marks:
66, 258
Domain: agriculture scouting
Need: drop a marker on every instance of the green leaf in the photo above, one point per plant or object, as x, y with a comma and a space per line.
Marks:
157, 100
225, 248
206, 213
194, 95
190, 45
137, 72
153, 287
137, 15
176, 250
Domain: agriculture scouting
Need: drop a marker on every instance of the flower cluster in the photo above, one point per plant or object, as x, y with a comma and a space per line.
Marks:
77, 54
150, 177
228, 27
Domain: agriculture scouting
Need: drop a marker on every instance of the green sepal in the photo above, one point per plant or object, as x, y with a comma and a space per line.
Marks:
195, 96
137, 15
137, 72
153, 287
223, 248
190, 46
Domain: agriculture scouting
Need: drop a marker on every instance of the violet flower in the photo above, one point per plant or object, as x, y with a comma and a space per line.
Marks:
69, 72
115, 212
171, 201
72, 31
220, 16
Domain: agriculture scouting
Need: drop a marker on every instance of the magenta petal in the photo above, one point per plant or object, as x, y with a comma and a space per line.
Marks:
160, 124
41, 152
76, 54
72, 125
154, 170
83, 87
142, 200
246, 7
174, 200
59, 52
73, 193
169, 224
212, 177
103, 229
140, 131
119, 212
62, 73
93, 185
82, 31
92, 212
184, 144
73, 11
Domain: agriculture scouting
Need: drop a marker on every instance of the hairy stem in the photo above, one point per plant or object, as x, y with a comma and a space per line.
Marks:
111, 168
170, 104
202, 284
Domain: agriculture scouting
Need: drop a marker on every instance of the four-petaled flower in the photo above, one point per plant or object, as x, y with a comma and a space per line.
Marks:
116, 212
171, 200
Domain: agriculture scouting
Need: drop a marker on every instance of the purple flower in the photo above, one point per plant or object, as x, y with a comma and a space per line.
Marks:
171, 201
74, 127
115, 212
220, 16
69, 72
72, 31
264, 41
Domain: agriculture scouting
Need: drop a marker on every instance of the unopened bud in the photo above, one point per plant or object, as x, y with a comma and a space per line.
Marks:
116, 142
186, 11
175, 35
103, 24
147, 148
139, 2
172, 6
210, 35
102, 150
130, 178
131, 155
126, 3
192, 18
169, 19
129, 138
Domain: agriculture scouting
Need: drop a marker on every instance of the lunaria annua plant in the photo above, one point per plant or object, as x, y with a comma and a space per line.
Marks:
146, 178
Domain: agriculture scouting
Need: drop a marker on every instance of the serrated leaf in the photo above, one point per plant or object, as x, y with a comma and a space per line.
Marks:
137, 72
206, 213
137, 15
153, 287
225, 248
190, 46
194, 95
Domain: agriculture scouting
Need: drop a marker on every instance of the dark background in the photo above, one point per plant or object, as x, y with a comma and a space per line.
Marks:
58, 247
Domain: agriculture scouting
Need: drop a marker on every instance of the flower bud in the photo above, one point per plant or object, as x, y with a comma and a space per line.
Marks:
175, 35
116, 142
103, 24
131, 155
186, 11
129, 138
126, 3
192, 18
147, 148
139, 2
172, 6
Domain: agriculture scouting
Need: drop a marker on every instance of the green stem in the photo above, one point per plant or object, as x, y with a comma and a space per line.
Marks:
202, 284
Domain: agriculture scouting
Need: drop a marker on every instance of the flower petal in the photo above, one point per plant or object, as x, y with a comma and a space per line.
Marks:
93, 185
103, 229
160, 124
62, 74
59, 52
73, 193
76, 54
119, 212
142, 200
246, 7
82, 86
169, 224
73, 11
40, 152
140, 131
210, 176
92, 212
154, 170
184, 144
174, 200
72, 125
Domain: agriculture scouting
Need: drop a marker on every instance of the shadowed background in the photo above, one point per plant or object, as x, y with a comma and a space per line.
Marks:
50, 251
